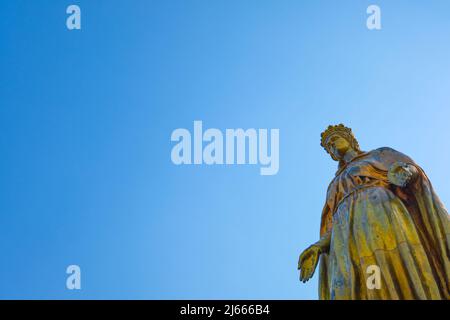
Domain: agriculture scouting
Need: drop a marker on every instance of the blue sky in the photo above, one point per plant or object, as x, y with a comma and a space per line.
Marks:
86, 118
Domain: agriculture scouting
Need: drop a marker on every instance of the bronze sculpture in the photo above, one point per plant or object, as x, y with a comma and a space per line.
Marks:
380, 211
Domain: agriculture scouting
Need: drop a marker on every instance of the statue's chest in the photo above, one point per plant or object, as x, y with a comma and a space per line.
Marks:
351, 179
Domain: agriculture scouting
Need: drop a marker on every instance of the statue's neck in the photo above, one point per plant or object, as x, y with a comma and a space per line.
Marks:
349, 155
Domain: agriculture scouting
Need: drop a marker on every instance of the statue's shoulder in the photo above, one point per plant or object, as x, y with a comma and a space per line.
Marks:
389, 155
385, 151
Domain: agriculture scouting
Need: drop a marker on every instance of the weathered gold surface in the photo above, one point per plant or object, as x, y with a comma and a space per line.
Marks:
380, 210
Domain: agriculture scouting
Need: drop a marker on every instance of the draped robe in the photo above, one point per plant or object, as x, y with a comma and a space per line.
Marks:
404, 231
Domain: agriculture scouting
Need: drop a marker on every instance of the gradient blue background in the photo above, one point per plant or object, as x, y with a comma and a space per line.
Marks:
86, 118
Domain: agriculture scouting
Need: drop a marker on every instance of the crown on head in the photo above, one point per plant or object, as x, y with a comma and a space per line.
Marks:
341, 130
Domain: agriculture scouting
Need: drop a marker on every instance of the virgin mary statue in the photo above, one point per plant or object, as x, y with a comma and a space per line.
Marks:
384, 232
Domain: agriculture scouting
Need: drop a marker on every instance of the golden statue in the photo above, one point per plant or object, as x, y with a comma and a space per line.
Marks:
381, 214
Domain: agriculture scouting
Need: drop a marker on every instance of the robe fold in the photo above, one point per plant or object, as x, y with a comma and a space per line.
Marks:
405, 232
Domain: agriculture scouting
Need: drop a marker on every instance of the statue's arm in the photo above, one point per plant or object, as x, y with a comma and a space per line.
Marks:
402, 171
324, 243
402, 174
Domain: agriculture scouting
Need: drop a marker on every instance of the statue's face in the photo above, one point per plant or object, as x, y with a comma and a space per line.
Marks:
338, 146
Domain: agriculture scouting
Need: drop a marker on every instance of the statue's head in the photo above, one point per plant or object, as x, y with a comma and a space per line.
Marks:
338, 140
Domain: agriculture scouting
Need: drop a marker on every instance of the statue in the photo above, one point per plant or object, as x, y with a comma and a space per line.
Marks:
381, 214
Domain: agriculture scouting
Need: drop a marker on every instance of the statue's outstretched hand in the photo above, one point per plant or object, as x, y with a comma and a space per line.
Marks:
307, 262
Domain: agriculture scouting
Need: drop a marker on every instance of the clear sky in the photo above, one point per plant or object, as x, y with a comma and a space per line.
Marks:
86, 118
